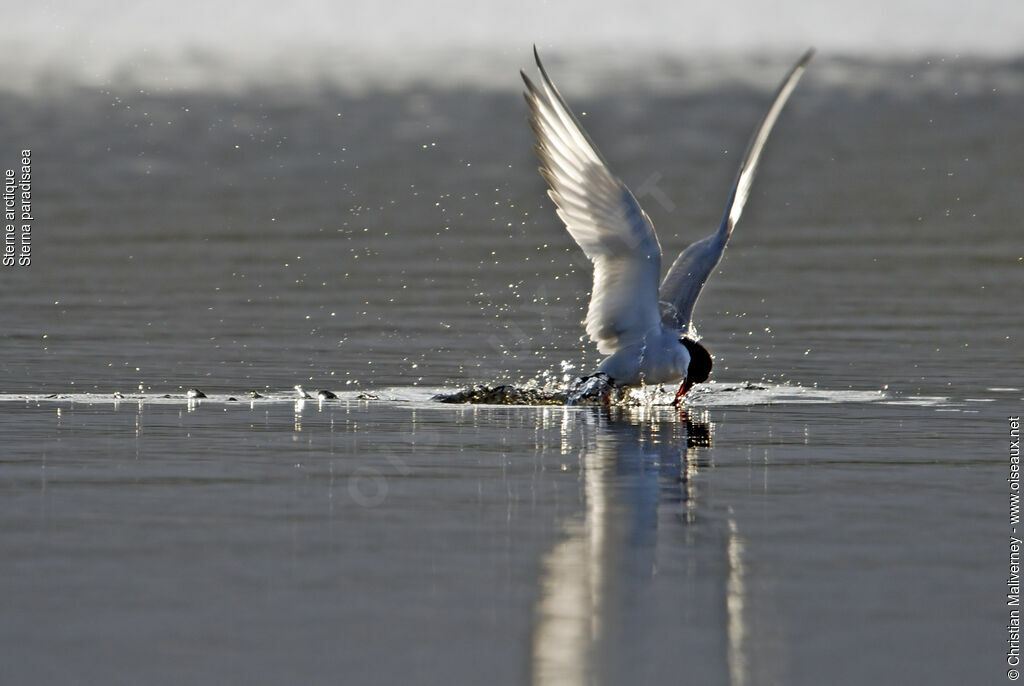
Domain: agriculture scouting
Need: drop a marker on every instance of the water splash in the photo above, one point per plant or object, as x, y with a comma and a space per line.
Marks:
586, 391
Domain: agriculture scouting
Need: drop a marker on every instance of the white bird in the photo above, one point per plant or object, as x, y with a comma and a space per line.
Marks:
644, 330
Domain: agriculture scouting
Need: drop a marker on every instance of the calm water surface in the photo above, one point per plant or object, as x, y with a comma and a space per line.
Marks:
400, 239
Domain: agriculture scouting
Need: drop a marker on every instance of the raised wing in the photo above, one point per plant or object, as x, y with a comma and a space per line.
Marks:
602, 216
687, 275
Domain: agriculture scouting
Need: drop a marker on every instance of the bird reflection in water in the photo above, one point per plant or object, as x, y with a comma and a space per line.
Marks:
644, 562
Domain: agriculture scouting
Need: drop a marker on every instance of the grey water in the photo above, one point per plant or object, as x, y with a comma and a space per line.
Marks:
846, 522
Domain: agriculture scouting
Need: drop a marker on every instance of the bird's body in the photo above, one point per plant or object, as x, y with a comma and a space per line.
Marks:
644, 329
659, 357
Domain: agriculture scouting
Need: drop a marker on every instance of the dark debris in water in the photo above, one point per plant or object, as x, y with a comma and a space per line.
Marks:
502, 395
747, 386
596, 389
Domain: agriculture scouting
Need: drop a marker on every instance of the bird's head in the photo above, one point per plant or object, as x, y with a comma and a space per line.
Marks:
700, 363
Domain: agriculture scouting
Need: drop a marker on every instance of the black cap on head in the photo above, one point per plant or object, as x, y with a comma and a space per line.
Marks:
700, 362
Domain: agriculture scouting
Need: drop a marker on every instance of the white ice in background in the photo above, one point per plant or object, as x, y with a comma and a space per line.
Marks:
215, 43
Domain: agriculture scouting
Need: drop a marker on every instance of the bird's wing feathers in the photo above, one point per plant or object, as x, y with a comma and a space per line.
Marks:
687, 275
603, 217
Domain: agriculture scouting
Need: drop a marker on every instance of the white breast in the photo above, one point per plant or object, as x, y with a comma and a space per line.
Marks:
661, 358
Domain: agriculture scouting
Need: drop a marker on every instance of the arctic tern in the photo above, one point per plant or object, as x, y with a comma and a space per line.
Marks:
645, 330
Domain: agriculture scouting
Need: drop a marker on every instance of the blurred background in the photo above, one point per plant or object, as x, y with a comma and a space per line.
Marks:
97, 39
